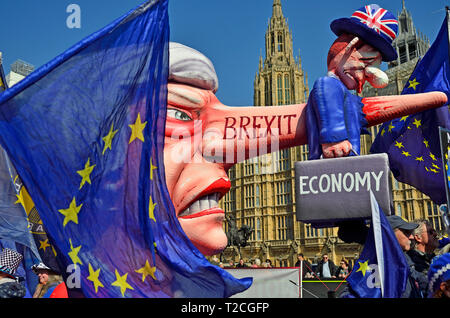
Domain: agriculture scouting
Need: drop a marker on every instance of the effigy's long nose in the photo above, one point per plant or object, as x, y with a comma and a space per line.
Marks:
381, 109
239, 133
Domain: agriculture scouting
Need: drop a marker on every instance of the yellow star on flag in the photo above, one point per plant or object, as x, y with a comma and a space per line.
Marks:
426, 143
383, 132
399, 145
404, 118
93, 277
44, 245
121, 281
136, 129
147, 270
417, 122
406, 153
73, 254
391, 127
433, 157
71, 213
363, 267
86, 173
436, 166
20, 198
419, 159
413, 84
151, 209
152, 167
108, 138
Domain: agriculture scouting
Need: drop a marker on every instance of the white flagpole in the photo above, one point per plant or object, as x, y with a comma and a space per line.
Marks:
376, 223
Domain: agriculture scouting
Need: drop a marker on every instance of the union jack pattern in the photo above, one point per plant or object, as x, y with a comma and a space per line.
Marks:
372, 16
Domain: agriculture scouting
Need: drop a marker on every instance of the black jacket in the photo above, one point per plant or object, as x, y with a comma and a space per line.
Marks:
417, 284
421, 260
331, 265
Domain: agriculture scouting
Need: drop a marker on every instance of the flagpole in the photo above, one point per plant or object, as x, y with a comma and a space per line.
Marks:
376, 223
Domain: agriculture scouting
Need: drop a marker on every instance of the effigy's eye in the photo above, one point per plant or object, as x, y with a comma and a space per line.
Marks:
178, 114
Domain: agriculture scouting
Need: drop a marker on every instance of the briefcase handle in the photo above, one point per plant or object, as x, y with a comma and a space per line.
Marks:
351, 149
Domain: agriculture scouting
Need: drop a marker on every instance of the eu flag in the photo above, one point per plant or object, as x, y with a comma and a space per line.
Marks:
86, 135
381, 270
13, 219
412, 142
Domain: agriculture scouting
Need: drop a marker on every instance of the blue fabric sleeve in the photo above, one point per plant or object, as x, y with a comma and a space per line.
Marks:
333, 114
328, 101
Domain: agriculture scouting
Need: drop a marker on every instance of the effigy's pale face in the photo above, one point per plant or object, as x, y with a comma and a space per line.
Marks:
356, 66
195, 184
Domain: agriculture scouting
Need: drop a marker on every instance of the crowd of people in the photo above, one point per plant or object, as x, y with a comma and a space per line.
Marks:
50, 282
256, 263
428, 259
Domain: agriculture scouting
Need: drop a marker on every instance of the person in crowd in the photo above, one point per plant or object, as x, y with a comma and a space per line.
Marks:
241, 264
307, 268
51, 284
403, 231
423, 246
268, 263
343, 269
231, 263
256, 263
326, 268
439, 277
9, 285
414, 284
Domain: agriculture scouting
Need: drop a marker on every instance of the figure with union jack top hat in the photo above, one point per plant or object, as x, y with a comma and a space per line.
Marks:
335, 115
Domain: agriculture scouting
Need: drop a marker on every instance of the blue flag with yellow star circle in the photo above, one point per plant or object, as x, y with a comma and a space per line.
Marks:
381, 270
412, 142
85, 133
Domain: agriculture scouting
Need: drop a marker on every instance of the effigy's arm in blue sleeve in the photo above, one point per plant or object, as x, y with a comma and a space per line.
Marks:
327, 99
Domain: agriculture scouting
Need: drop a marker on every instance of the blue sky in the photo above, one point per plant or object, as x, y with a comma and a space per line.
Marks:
231, 33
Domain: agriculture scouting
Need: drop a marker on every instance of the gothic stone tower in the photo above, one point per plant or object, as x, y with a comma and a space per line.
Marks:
280, 79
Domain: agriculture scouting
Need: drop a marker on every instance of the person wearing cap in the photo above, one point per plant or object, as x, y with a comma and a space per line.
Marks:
9, 285
417, 282
439, 277
51, 284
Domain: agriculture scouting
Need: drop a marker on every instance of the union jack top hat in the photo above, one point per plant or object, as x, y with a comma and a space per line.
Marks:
372, 24
9, 261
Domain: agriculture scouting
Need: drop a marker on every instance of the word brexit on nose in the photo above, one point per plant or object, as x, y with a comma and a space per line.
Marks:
256, 126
